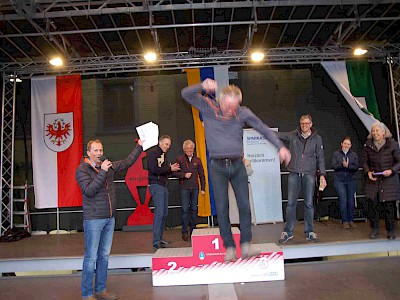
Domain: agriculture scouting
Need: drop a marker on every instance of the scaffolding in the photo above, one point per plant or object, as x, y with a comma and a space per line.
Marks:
8, 124
7, 151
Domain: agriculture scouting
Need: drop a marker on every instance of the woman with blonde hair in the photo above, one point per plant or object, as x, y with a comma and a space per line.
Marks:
381, 163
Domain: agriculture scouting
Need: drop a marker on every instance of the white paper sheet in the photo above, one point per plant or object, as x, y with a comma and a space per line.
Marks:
148, 133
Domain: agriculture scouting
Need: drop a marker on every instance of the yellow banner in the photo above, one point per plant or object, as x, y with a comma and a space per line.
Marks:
204, 209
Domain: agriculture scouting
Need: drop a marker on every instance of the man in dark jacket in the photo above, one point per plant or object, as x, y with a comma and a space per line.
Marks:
191, 171
95, 177
307, 155
159, 170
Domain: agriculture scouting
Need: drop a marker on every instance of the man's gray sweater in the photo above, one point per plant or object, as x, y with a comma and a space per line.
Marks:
225, 136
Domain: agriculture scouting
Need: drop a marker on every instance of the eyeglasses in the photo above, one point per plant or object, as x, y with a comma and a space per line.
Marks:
305, 123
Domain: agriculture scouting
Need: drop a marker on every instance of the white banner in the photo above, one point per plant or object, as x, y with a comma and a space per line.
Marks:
338, 72
266, 179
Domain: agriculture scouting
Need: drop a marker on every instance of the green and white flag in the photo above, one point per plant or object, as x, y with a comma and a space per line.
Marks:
354, 80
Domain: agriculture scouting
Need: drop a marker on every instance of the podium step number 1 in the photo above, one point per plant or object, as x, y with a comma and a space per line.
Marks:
203, 263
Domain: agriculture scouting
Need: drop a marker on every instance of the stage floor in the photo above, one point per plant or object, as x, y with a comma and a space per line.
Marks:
138, 243
374, 278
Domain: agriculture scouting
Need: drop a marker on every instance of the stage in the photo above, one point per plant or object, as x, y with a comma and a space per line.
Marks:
374, 278
134, 249
131, 250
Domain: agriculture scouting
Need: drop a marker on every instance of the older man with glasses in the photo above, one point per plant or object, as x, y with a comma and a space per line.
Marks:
307, 151
224, 120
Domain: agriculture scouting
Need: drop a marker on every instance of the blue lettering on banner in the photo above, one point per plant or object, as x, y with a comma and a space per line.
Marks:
255, 155
259, 158
262, 160
256, 140
249, 138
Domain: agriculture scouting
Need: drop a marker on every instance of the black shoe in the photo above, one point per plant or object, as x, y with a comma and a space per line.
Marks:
159, 246
374, 233
285, 236
391, 235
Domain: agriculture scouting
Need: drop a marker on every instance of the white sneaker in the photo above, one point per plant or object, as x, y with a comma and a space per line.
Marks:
312, 236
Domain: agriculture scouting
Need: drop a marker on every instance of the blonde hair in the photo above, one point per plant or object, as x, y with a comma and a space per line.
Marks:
89, 144
232, 91
381, 126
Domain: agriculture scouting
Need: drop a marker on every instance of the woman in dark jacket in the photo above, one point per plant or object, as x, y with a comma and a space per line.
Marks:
381, 163
345, 163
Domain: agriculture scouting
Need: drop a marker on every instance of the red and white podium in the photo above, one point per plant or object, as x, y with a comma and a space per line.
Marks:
204, 262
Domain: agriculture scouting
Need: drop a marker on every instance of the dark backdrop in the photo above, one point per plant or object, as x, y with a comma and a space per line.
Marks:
279, 97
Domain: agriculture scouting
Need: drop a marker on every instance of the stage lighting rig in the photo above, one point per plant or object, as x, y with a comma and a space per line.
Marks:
202, 52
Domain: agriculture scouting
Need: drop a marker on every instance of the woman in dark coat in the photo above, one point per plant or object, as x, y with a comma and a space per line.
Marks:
345, 163
381, 163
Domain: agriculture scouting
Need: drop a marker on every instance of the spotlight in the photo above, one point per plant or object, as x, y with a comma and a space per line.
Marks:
150, 57
57, 62
257, 56
16, 79
360, 51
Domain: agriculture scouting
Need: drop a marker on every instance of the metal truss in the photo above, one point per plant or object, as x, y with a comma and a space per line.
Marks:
106, 37
182, 60
394, 63
7, 152
58, 8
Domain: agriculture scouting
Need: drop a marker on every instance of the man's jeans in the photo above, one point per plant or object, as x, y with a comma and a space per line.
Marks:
159, 195
222, 171
98, 240
189, 209
296, 183
345, 191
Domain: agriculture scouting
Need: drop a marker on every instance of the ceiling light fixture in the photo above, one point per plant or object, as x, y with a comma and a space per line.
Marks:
360, 51
257, 56
150, 57
202, 52
57, 62
16, 79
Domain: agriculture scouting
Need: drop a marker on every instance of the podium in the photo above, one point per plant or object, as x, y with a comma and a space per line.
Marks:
203, 263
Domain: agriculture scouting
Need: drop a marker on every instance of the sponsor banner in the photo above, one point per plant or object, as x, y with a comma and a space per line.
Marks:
266, 178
